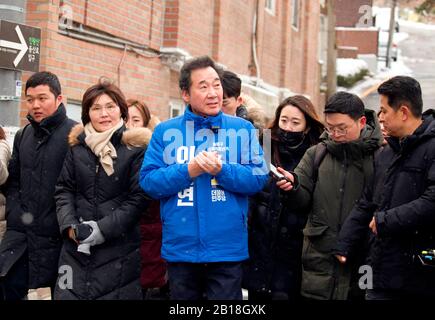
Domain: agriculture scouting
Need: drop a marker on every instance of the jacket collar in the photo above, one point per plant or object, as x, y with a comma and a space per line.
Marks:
425, 131
369, 141
115, 140
209, 122
49, 124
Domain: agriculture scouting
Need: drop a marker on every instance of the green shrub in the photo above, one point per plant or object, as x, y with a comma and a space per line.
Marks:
349, 81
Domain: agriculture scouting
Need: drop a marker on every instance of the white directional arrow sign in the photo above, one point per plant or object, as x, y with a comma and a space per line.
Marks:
22, 46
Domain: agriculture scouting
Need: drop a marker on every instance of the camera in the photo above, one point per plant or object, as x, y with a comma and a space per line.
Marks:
81, 231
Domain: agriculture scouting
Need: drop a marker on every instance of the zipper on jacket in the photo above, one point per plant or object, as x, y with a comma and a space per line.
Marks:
342, 185
97, 169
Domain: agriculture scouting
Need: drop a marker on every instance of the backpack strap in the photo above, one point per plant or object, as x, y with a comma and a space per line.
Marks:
319, 155
19, 135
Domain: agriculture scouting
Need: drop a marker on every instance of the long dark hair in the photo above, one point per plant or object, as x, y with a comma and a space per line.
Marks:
143, 110
307, 108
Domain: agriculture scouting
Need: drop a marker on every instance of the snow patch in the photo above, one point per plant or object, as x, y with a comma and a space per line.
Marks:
347, 67
417, 25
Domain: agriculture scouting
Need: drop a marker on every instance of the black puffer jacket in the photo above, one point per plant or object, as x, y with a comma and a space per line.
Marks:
402, 198
275, 232
115, 202
37, 159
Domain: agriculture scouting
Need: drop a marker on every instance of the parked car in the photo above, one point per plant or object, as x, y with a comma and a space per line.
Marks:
382, 46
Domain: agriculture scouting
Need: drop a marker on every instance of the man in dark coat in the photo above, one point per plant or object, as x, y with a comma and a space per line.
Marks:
398, 206
328, 191
232, 103
30, 250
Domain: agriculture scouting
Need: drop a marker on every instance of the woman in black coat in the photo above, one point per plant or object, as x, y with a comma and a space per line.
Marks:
275, 226
99, 202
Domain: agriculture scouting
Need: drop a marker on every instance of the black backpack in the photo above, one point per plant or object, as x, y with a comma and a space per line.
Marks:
320, 154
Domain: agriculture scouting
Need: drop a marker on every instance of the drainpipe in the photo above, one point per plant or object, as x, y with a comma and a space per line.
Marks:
254, 43
119, 66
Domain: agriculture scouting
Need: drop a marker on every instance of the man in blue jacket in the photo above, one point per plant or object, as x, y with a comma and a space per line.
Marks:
203, 166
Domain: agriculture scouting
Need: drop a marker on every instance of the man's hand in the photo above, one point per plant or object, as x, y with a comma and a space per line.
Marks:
285, 184
372, 226
71, 235
194, 169
209, 162
342, 259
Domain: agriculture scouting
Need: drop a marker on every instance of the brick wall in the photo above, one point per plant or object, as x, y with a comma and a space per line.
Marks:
79, 64
195, 26
347, 12
287, 57
233, 41
365, 40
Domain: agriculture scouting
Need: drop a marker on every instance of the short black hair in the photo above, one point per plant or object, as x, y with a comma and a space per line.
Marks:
44, 78
231, 84
403, 90
193, 64
346, 103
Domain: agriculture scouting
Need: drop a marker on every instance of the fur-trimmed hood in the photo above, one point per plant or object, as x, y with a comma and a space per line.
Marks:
256, 113
134, 137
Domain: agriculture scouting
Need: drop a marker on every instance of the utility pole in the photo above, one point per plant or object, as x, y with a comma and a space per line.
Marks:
391, 31
10, 80
331, 71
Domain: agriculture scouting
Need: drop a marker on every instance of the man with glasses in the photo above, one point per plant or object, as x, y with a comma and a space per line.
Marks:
329, 189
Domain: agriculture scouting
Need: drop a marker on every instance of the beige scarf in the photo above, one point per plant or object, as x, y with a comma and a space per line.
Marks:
99, 143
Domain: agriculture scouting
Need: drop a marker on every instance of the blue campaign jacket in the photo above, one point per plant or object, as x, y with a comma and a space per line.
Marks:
205, 218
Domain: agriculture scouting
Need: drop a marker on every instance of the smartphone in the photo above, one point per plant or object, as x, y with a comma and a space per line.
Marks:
82, 231
274, 171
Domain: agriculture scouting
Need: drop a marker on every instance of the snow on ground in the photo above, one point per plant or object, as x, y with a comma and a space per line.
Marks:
347, 67
400, 36
397, 68
417, 25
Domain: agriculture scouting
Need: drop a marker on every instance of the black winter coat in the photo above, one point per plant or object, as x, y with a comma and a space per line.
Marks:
401, 196
115, 202
275, 233
38, 154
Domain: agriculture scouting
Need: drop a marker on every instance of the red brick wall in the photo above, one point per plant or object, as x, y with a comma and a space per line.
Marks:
295, 74
80, 64
195, 26
347, 52
347, 12
269, 43
311, 54
171, 23
233, 42
365, 40
287, 57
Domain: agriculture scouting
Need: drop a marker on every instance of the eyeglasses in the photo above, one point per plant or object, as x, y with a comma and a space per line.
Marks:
338, 131
110, 108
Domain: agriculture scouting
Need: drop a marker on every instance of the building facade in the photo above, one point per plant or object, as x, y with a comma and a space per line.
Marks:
141, 45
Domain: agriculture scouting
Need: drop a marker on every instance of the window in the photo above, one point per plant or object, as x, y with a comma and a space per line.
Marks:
270, 6
295, 15
176, 108
74, 111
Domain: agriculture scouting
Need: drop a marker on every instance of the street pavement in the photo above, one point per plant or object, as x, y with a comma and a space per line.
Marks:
417, 54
